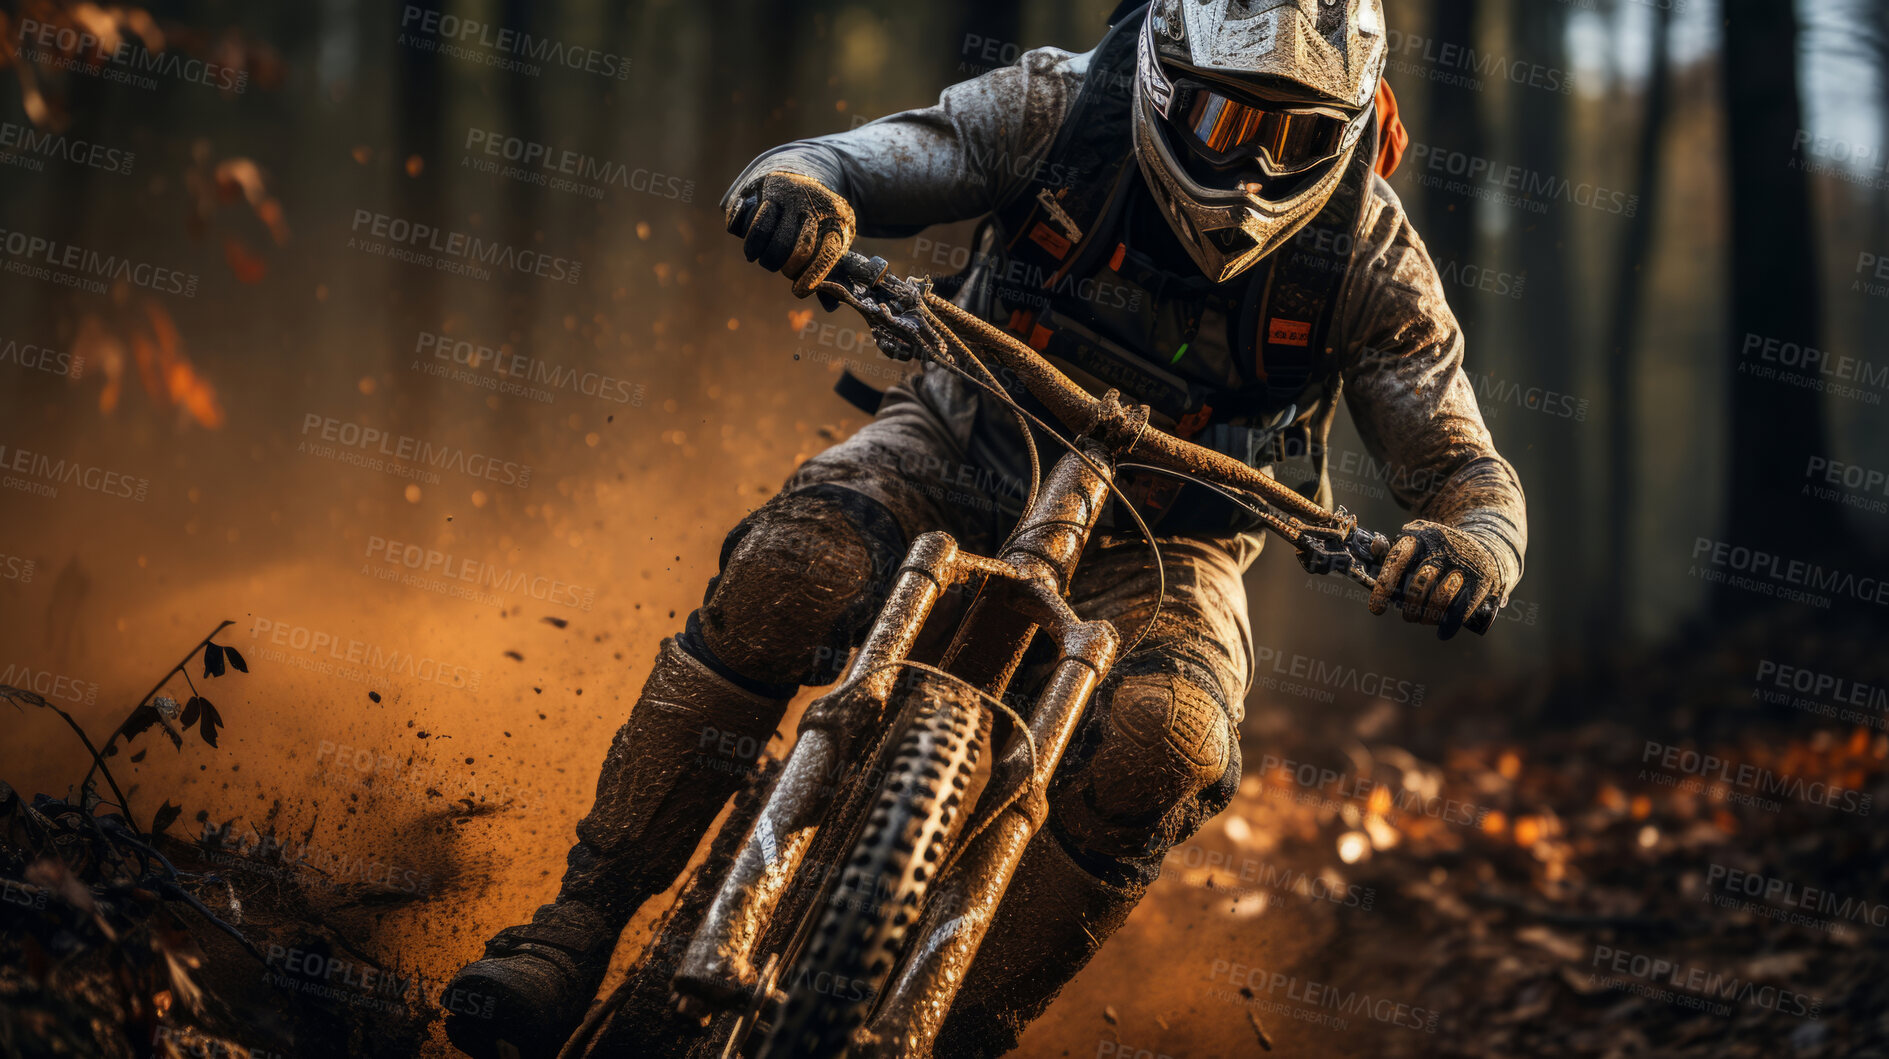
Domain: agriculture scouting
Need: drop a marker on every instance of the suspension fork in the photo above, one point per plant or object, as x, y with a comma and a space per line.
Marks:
959, 910
718, 970
1023, 588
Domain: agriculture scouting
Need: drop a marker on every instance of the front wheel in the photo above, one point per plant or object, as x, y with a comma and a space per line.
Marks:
914, 822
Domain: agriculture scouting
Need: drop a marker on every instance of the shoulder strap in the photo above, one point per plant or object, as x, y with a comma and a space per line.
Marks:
1288, 317
1044, 226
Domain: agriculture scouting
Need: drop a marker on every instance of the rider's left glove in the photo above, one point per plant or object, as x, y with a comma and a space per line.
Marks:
800, 227
1440, 573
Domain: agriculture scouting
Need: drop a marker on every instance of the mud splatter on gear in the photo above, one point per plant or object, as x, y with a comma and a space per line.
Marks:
800, 579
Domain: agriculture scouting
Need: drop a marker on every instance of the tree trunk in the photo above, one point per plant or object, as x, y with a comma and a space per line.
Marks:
1557, 502
1774, 296
1453, 120
418, 132
1631, 277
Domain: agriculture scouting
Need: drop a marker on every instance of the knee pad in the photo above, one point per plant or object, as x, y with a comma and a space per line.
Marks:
800, 579
1159, 751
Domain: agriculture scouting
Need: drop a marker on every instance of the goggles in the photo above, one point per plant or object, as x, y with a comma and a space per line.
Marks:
1281, 139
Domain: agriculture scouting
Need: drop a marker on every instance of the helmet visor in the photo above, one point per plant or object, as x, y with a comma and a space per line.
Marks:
1282, 140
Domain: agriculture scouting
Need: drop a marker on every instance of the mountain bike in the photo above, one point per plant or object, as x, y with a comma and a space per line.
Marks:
847, 891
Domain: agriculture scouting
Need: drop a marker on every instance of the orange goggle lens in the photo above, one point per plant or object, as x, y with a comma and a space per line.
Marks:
1226, 130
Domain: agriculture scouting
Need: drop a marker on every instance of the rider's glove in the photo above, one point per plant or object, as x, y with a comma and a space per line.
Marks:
800, 227
1441, 574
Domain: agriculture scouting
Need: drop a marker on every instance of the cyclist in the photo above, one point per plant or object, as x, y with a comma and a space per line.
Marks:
1194, 213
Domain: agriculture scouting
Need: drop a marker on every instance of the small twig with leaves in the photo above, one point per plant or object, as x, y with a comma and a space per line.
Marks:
16, 696
156, 709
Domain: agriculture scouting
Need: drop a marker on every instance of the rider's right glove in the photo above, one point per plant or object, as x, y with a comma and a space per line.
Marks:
800, 227
1440, 573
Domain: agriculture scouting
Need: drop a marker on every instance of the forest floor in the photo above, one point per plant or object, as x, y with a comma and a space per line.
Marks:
1635, 855
1528, 871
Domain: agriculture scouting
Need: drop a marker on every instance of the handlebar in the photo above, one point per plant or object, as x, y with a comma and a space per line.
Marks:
899, 311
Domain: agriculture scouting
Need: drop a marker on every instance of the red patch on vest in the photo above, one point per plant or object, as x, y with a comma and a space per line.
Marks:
1288, 332
1050, 241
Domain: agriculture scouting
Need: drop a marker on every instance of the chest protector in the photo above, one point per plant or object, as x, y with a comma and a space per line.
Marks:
1065, 228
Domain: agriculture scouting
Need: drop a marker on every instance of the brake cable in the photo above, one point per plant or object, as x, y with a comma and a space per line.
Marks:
1160, 565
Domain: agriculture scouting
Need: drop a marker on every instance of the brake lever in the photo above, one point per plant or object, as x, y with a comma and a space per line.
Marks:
894, 308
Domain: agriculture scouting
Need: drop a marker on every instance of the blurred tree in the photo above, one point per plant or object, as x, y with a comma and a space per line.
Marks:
1775, 295
1558, 511
1453, 119
420, 179
521, 109
1629, 297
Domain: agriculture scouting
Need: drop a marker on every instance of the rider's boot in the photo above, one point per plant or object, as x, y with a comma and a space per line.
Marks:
690, 741
1053, 918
